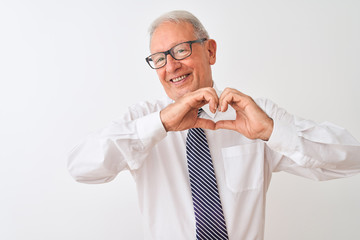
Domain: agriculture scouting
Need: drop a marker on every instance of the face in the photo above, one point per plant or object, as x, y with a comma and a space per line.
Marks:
179, 77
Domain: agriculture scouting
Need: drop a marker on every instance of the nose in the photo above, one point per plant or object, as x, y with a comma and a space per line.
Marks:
172, 65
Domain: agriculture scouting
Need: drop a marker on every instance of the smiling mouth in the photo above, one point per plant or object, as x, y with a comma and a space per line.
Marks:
178, 79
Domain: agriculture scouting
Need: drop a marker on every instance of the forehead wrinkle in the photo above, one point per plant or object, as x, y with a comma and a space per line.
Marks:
172, 45
163, 46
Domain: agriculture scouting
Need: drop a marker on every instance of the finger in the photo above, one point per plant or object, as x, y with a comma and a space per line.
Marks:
214, 102
227, 97
234, 98
204, 123
222, 96
207, 95
225, 124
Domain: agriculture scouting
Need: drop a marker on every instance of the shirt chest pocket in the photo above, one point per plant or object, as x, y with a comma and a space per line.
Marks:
244, 166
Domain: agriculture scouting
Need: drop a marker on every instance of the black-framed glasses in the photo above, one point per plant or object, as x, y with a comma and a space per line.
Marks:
178, 52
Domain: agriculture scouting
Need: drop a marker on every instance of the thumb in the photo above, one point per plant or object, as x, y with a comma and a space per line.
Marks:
204, 123
225, 124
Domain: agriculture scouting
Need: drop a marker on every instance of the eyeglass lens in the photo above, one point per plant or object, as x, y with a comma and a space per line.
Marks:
178, 52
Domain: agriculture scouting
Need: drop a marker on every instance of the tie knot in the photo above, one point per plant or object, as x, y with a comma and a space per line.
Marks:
199, 111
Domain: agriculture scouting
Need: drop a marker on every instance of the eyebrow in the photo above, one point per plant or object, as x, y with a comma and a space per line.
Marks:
172, 45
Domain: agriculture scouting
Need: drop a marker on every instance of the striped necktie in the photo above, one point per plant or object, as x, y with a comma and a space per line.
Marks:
210, 222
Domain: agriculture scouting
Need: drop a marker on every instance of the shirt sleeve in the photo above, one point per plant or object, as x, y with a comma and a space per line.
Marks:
124, 144
316, 151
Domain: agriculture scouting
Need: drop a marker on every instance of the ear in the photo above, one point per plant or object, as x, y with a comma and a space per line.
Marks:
211, 48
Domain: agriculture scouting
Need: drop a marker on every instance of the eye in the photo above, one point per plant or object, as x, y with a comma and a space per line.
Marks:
180, 50
158, 59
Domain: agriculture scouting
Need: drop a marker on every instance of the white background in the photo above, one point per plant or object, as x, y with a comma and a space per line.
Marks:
67, 68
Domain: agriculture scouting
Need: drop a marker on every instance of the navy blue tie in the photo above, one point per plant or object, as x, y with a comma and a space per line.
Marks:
210, 222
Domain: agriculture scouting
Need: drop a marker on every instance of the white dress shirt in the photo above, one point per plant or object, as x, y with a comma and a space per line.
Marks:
157, 161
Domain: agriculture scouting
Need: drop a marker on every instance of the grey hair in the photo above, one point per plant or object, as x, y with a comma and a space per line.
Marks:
177, 17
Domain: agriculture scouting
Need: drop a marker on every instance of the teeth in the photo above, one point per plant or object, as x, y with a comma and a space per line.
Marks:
178, 78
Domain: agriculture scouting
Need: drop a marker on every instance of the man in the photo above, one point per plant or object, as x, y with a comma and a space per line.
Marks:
247, 140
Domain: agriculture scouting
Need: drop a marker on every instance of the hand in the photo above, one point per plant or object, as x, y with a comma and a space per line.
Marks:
183, 113
251, 120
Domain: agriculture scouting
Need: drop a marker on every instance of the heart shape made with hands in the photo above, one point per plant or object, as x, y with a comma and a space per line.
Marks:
251, 121
256, 125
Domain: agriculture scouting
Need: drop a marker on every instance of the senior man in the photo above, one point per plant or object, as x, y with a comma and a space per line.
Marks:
203, 159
